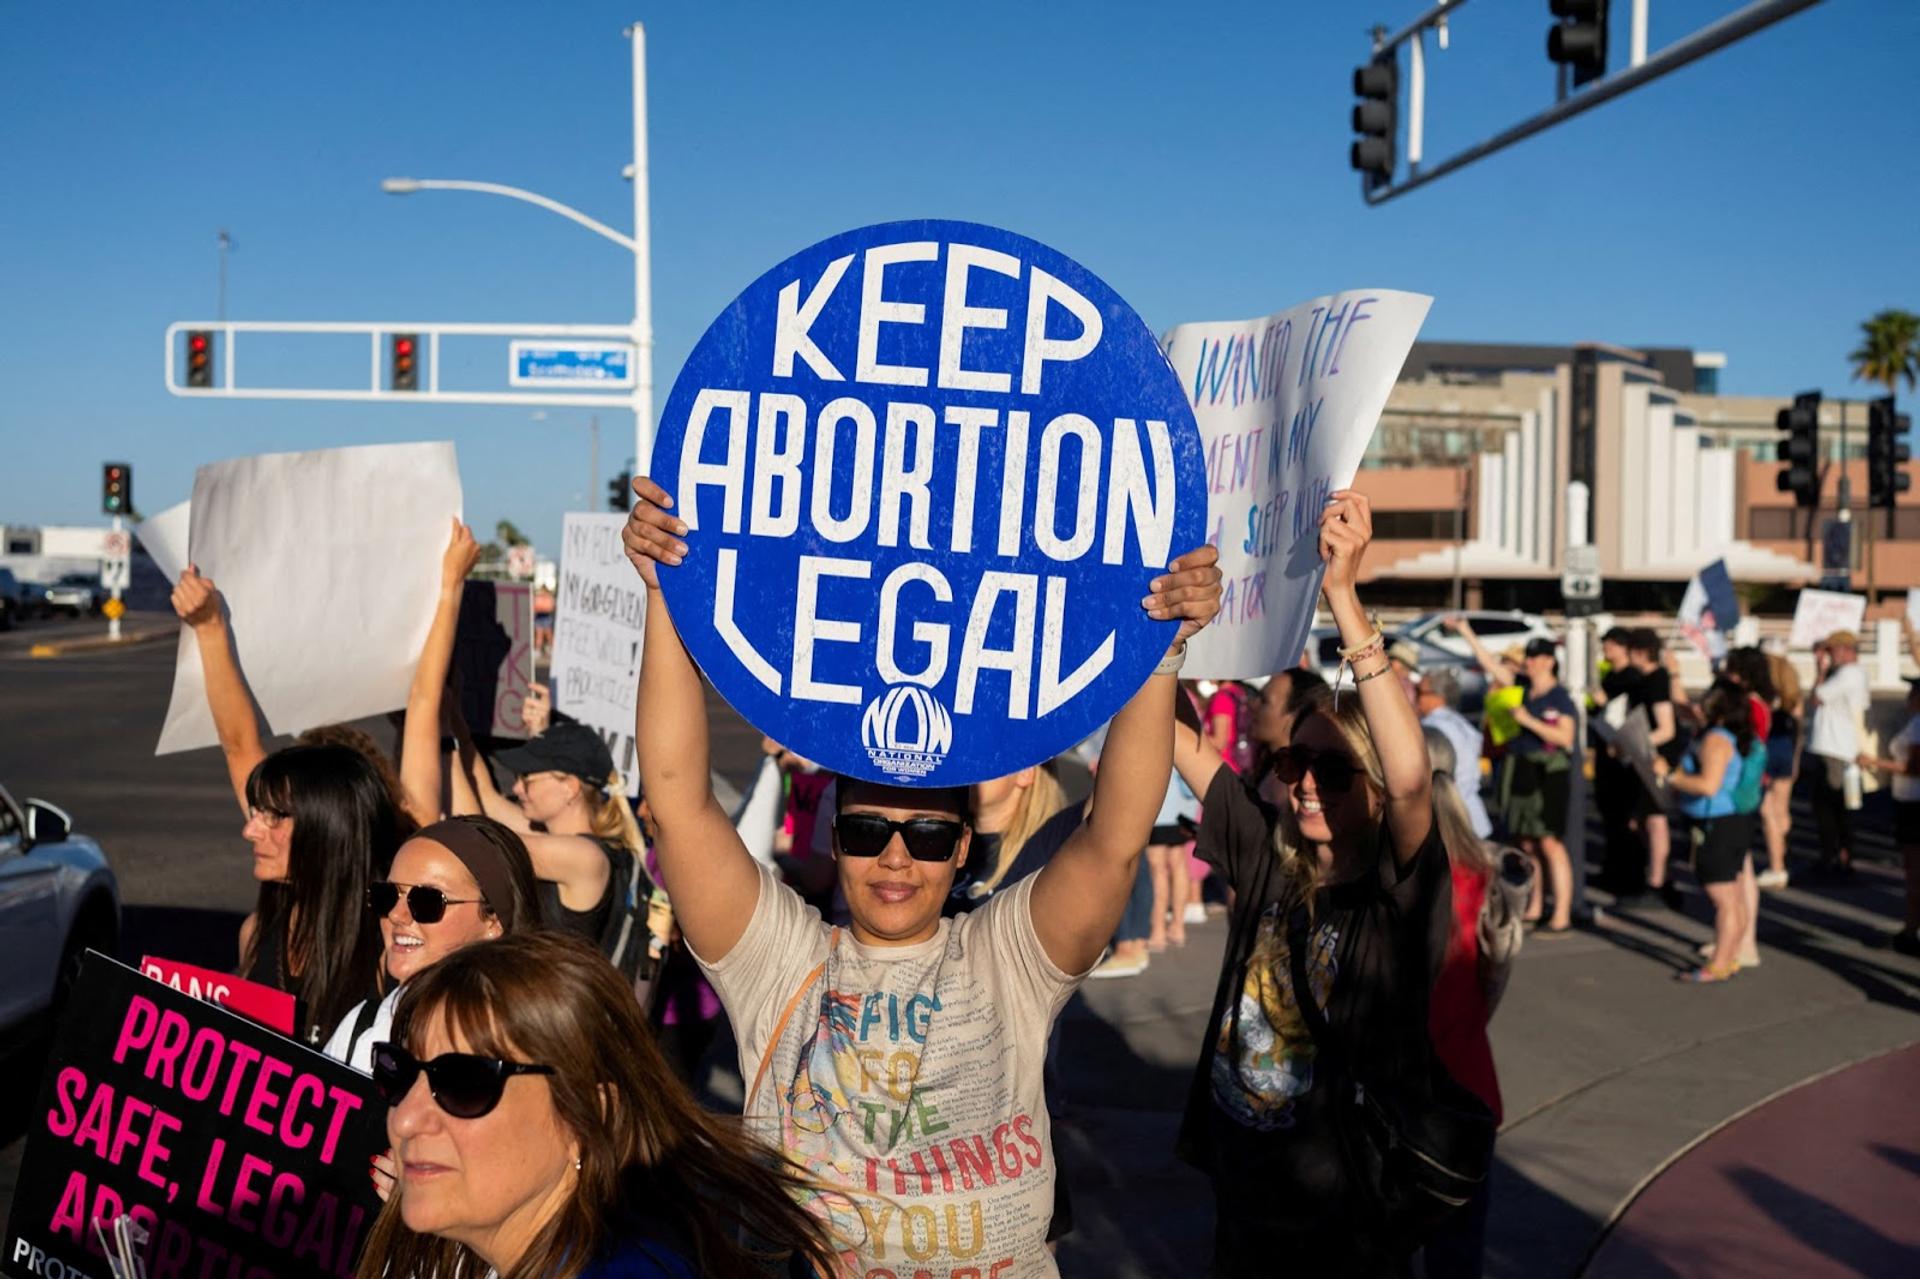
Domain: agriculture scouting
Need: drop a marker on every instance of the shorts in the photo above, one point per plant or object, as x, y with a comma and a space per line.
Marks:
1534, 797
1720, 847
1906, 822
1779, 758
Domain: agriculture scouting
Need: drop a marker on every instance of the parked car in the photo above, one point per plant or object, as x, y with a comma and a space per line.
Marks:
1325, 644
1497, 630
13, 599
58, 899
76, 593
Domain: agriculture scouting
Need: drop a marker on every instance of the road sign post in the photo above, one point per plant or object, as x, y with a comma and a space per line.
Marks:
116, 573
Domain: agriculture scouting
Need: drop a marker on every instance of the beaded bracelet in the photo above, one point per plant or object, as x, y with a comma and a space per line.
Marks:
1359, 649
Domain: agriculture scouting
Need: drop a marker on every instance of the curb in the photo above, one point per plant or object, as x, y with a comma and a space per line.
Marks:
95, 644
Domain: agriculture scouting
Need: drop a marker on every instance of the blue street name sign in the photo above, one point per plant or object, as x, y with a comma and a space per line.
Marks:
604, 364
929, 470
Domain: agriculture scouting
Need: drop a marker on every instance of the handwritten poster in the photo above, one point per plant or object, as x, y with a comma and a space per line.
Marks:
600, 616
493, 656
1818, 614
235, 1150
1286, 406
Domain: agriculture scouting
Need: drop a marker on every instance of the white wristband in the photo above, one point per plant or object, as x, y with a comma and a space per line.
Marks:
1170, 664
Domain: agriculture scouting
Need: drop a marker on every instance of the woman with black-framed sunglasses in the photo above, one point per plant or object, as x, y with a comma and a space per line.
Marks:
538, 1131
454, 883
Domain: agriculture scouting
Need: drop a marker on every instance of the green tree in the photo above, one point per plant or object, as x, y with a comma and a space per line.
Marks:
1889, 350
507, 533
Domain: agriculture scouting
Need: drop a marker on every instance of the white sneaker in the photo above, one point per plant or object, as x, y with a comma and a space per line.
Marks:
1196, 913
1120, 966
1774, 879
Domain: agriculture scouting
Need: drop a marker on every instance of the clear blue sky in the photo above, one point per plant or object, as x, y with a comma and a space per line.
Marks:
1760, 203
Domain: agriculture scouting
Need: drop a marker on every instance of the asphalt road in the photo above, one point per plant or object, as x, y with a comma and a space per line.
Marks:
1609, 1067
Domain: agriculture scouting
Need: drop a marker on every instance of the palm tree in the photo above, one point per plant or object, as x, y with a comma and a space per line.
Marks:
1889, 350
508, 533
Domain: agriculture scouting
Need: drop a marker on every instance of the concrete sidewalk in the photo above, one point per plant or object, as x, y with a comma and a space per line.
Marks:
1608, 1067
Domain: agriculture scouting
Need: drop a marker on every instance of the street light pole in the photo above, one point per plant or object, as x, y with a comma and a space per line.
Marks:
639, 244
642, 262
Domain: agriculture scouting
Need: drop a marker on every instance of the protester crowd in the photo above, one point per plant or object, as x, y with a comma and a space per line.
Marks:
532, 968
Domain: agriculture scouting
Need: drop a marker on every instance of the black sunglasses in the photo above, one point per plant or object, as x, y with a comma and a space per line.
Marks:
928, 839
1333, 771
463, 1085
426, 904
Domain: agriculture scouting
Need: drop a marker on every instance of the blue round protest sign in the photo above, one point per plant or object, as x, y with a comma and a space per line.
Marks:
929, 469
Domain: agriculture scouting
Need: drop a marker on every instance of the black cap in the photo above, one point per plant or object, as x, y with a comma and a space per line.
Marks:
563, 748
1541, 648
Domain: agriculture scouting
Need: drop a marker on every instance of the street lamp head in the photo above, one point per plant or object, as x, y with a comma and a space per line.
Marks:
399, 186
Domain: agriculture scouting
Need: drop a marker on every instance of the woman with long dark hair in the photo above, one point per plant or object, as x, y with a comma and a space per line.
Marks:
323, 828
540, 1135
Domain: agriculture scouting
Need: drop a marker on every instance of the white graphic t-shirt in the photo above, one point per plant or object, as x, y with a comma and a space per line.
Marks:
908, 1077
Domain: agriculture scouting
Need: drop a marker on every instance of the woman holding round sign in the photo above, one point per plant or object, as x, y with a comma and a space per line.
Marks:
914, 506
1333, 1139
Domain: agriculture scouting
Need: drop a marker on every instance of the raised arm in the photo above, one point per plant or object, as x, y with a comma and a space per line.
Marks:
420, 762
1195, 758
1345, 529
1497, 673
471, 780
1079, 895
703, 865
235, 718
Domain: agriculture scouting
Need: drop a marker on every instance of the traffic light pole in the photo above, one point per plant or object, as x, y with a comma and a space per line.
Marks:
1735, 26
113, 614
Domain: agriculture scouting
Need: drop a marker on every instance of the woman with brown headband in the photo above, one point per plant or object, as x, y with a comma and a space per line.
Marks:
456, 882
540, 1135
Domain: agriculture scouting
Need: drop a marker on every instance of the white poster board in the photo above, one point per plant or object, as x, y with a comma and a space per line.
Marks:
329, 563
165, 537
1819, 614
1286, 406
599, 618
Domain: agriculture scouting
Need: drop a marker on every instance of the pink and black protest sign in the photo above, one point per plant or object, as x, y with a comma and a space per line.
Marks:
239, 1153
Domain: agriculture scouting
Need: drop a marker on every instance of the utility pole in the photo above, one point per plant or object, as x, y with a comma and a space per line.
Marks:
593, 478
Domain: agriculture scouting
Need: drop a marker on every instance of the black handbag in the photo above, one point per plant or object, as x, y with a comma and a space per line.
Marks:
1420, 1146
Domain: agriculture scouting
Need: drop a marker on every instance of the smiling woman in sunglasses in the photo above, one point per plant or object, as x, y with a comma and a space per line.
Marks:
1340, 918
456, 882
539, 1134
898, 1063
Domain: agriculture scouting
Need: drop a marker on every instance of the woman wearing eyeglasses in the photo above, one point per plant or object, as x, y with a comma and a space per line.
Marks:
1341, 916
538, 1133
898, 1061
456, 882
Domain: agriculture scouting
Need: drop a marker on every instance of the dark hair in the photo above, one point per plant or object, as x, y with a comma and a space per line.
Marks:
958, 798
1644, 639
551, 999
1750, 668
1729, 706
522, 887
353, 739
1307, 693
345, 832
1618, 635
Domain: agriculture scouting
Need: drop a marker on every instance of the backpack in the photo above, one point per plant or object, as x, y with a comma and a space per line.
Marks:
1753, 776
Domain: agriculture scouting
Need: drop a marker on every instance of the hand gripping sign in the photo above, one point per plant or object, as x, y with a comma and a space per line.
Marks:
928, 469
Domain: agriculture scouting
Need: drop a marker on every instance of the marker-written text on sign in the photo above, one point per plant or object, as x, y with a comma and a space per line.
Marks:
953, 446
1286, 406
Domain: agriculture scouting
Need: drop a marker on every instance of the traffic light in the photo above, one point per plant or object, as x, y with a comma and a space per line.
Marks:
620, 492
1579, 39
1800, 450
1377, 85
116, 488
199, 358
1886, 481
406, 361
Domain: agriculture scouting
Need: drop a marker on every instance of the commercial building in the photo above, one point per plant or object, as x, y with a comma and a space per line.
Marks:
1470, 466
